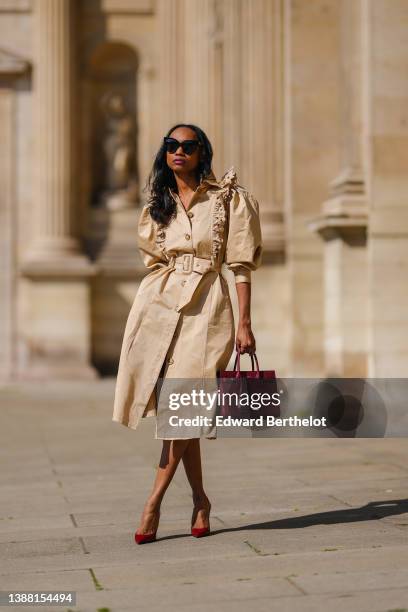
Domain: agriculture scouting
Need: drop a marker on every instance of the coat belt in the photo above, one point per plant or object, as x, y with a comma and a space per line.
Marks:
187, 263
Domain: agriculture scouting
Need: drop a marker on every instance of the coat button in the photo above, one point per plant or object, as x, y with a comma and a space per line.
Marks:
190, 214
187, 236
183, 282
171, 360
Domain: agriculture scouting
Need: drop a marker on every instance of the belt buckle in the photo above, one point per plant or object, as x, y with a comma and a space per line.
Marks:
187, 263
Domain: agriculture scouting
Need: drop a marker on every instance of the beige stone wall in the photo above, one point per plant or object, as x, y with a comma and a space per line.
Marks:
306, 99
312, 148
388, 161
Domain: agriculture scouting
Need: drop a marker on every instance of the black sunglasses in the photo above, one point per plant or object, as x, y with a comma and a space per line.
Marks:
188, 146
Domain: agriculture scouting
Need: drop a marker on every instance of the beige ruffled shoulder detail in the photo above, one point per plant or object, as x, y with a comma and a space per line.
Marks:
223, 198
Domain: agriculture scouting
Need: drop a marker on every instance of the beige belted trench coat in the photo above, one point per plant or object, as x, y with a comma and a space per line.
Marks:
181, 318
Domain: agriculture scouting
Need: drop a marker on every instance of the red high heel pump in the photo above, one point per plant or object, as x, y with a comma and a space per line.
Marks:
143, 538
199, 532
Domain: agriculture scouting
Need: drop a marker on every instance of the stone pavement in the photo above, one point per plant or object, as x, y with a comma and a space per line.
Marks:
300, 524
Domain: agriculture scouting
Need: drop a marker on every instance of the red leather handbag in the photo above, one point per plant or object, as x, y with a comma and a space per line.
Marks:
242, 389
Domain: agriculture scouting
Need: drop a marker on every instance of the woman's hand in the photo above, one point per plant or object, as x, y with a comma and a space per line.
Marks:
245, 340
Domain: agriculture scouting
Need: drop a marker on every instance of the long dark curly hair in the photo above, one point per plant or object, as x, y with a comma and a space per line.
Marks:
162, 206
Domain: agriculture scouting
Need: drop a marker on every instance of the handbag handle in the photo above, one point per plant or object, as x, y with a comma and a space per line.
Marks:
237, 362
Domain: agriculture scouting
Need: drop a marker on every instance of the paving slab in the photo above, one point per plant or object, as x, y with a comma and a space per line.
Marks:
347, 582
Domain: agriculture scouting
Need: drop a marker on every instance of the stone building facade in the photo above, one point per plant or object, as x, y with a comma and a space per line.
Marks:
307, 99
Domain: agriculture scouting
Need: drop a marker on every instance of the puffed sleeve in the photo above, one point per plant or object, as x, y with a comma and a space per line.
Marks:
243, 252
150, 237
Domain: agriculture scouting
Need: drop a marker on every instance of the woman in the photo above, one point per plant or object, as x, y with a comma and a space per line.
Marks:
181, 324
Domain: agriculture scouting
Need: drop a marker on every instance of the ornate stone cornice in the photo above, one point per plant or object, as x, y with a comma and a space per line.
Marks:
73, 268
344, 217
11, 65
345, 212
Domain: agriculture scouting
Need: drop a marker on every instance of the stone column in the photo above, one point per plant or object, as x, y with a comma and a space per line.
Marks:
259, 138
232, 85
55, 126
170, 91
12, 69
343, 221
261, 48
56, 294
204, 72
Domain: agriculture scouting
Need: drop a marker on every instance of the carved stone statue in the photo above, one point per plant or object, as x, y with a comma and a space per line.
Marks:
119, 148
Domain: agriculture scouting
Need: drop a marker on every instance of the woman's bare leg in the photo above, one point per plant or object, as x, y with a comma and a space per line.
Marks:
192, 466
171, 454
